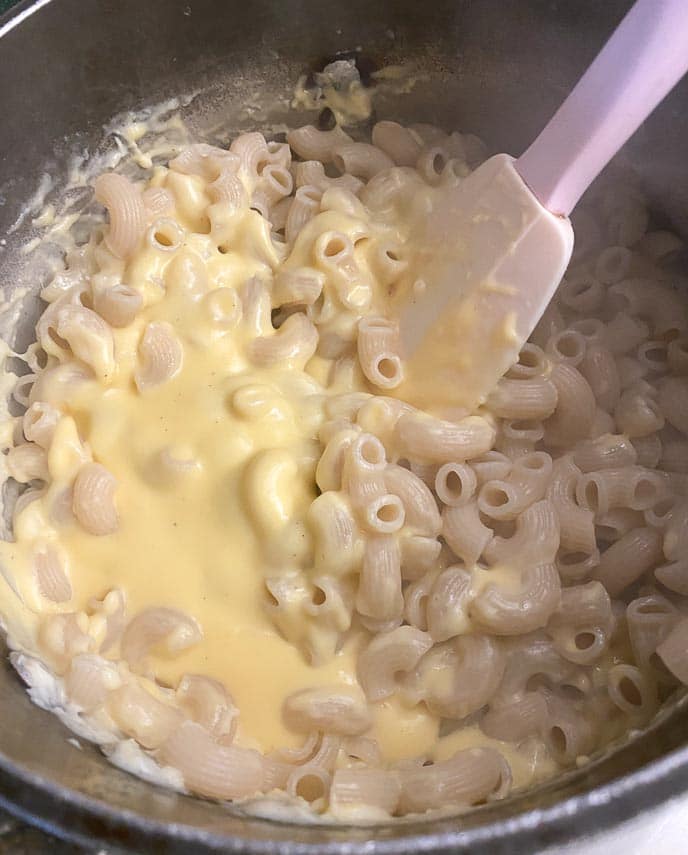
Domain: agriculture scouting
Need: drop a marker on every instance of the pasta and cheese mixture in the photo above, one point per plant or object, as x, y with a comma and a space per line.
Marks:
241, 549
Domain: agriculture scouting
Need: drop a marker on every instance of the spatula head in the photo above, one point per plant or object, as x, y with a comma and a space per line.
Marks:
490, 258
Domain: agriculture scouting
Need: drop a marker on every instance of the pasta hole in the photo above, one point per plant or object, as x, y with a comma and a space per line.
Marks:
261, 166
310, 193
663, 508
496, 497
658, 355
537, 682
387, 368
86, 300
569, 346
388, 513
528, 359
319, 597
282, 179
645, 491
454, 484
334, 247
592, 495
326, 120
524, 425
162, 239
558, 740
41, 357
59, 341
630, 692
584, 640
503, 528
439, 161
372, 452
392, 255
534, 462
311, 788
605, 535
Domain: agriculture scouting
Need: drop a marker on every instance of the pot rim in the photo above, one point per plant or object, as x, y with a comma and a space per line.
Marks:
74, 816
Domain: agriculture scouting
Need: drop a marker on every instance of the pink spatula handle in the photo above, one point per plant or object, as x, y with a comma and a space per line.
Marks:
641, 62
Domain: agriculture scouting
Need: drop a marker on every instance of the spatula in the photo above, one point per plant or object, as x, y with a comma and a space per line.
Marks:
496, 246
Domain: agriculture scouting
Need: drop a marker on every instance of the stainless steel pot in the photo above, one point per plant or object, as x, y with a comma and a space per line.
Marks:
496, 68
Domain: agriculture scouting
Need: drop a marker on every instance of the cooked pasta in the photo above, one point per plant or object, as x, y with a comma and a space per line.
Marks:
240, 549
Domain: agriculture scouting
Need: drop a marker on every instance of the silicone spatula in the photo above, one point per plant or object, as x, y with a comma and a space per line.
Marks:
496, 246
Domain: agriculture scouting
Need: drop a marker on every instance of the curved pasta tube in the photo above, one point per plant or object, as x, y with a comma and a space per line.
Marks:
331, 709
465, 533
89, 338
447, 604
27, 462
386, 656
420, 508
142, 716
305, 206
398, 142
600, 370
39, 422
536, 538
268, 490
469, 777
51, 574
582, 626
379, 589
217, 771
459, 677
422, 437
206, 701
632, 691
378, 352
127, 213
514, 613
89, 680
576, 524
649, 620
517, 720
166, 630
161, 355
575, 410
338, 545
93, 499
608, 451
363, 791
118, 305
672, 650
533, 398
301, 286
361, 159
311, 144
292, 344
525, 484
628, 559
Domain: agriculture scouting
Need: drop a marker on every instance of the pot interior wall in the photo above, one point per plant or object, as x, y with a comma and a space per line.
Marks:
497, 69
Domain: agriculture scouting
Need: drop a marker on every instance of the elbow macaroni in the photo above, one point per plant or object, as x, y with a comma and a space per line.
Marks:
240, 549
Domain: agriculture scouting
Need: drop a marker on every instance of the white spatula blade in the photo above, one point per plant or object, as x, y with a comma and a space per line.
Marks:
492, 258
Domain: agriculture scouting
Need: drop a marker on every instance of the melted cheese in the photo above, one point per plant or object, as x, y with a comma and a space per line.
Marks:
215, 471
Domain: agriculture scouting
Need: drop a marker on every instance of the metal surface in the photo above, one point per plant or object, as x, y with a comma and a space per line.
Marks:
495, 68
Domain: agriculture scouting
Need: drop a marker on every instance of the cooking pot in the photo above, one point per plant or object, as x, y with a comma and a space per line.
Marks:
497, 69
